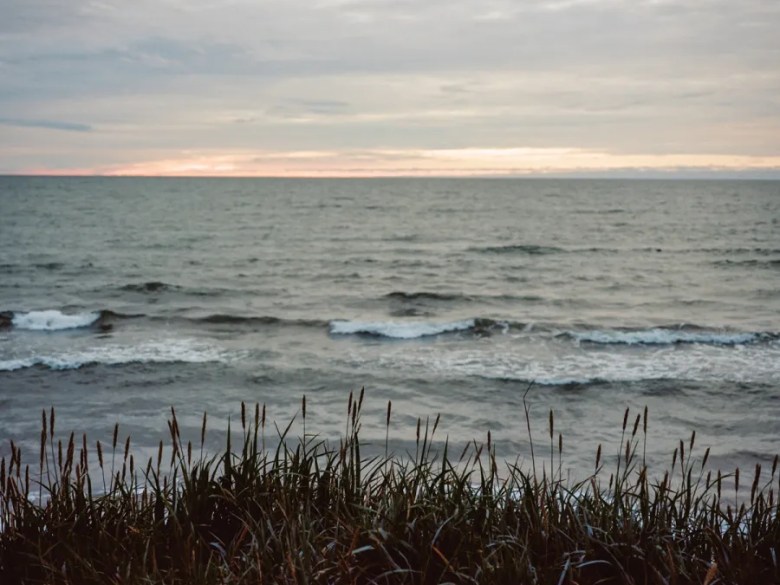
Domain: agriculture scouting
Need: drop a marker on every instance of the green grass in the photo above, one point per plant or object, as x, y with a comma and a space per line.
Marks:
306, 511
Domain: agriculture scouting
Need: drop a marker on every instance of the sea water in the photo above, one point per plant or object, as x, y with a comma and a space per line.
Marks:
122, 297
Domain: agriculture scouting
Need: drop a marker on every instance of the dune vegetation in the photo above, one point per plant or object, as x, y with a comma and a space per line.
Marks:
311, 511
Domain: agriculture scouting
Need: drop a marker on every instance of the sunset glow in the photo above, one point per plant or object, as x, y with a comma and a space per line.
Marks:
462, 162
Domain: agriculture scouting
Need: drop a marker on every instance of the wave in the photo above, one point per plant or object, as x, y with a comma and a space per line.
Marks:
45, 266
152, 352
663, 336
407, 329
533, 249
687, 251
768, 264
412, 297
758, 251
50, 266
395, 330
669, 370
156, 287
419, 329
486, 327
612, 211
220, 318
424, 295
530, 249
228, 319
153, 286
552, 380
55, 320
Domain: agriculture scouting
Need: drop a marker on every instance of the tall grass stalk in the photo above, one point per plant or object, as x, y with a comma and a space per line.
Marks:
308, 511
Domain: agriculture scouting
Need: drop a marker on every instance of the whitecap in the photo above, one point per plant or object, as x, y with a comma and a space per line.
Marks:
53, 320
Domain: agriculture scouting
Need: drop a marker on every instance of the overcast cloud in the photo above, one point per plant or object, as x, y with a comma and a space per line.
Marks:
388, 86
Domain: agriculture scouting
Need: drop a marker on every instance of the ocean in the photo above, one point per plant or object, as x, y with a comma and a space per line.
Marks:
122, 297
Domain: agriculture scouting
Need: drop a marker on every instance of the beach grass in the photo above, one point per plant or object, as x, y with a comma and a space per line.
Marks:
311, 511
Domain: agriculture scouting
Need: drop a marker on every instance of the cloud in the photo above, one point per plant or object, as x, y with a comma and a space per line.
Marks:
162, 76
47, 124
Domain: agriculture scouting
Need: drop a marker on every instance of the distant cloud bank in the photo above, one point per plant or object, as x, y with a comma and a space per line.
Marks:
445, 162
47, 124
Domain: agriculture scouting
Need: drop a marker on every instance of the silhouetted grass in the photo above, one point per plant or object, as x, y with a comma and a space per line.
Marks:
309, 512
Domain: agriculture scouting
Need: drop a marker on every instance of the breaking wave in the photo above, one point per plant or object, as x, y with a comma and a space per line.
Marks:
662, 336
753, 364
157, 352
55, 320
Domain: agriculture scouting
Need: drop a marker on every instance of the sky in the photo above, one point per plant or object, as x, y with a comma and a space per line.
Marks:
390, 87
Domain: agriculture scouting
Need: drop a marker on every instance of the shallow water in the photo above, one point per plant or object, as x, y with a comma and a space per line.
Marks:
122, 297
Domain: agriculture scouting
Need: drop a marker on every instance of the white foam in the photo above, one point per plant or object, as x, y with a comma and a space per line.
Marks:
710, 363
53, 320
394, 330
663, 337
167, 351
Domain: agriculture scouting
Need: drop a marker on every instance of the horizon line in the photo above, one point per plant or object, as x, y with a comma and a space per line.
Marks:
652, 175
